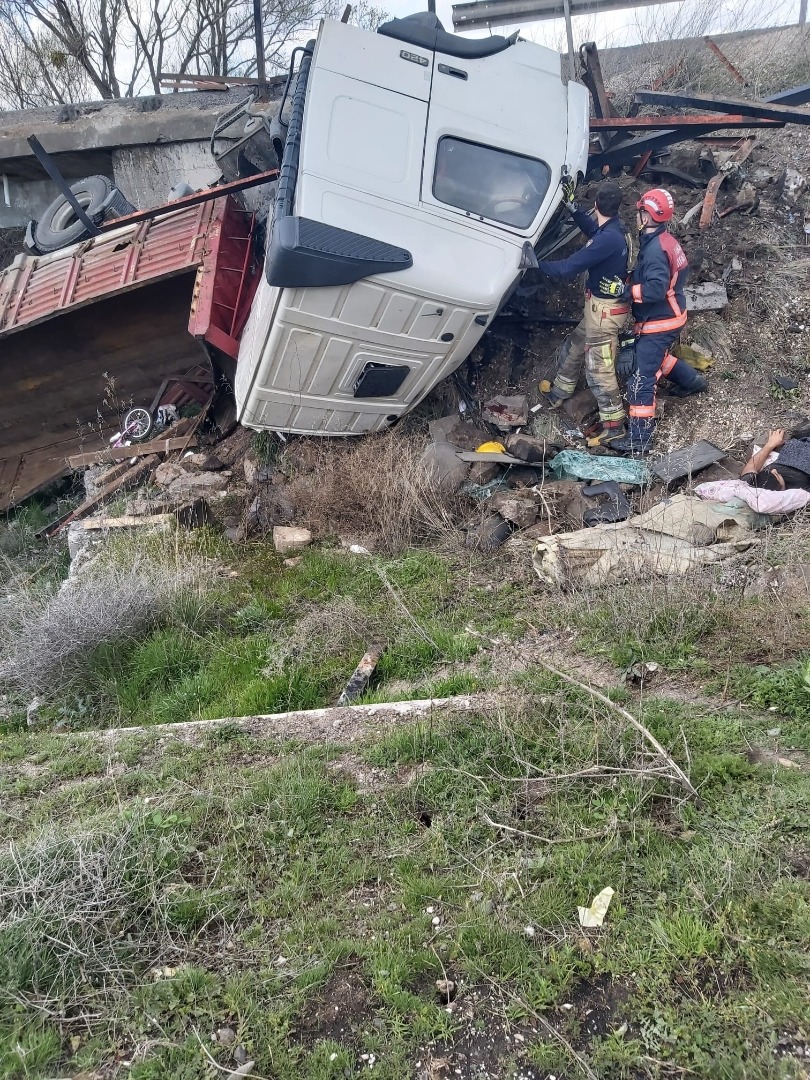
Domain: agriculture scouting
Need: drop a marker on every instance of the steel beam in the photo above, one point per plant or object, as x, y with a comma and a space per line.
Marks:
52, 169
797, 95
762, 110
190, 200
485, 13
661, 123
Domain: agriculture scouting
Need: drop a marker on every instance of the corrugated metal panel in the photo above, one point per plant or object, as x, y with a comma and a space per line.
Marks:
36, 288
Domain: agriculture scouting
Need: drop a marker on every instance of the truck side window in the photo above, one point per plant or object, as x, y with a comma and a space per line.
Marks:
490, 183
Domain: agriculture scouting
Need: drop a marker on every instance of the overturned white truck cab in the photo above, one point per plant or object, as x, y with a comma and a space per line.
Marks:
419, 172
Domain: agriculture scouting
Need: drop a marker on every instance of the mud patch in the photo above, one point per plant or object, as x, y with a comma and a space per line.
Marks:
341, 1004
485, 1046
599, 1005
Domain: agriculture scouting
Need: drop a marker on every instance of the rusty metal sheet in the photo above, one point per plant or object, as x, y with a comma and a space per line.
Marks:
36, 288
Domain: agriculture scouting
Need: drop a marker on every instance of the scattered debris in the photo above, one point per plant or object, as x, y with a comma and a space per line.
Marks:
362, 674
670, 539
641, 672
687, 462
488, 534
518, 508
614, 508
290, 538
785, 382
578, 465
507, 412
708, 296
595, 914
758, 756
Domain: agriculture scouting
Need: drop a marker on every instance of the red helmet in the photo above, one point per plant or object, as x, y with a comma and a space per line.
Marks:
658, 203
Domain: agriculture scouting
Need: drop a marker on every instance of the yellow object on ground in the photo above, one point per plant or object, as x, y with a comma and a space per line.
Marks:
692, 357
490, 448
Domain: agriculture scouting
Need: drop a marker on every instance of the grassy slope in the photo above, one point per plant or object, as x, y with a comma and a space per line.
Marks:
157, 891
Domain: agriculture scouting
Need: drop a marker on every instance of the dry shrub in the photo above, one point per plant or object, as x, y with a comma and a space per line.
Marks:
79, 913
377, 488
47, 637
323, 631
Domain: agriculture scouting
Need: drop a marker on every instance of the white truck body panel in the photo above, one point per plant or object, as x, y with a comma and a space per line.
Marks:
371, 162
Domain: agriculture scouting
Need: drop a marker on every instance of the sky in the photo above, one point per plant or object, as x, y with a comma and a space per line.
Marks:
628, 27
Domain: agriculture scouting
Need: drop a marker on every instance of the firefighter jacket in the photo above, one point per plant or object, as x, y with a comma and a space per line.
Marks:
604, 256
657, 283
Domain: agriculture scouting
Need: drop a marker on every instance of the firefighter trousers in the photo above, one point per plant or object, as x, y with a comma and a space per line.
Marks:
653, 361
593, 343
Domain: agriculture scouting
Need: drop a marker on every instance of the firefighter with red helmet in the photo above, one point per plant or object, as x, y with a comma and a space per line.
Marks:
656, 289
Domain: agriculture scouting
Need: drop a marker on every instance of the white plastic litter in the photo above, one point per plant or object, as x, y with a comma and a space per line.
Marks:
595, 914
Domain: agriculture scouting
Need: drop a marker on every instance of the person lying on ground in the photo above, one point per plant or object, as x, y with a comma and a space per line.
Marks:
790, 470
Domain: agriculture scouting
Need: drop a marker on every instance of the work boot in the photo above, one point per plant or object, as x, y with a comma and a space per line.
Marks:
551, 396
607, 433
698, 386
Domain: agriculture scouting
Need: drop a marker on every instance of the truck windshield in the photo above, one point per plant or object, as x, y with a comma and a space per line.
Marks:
490, 183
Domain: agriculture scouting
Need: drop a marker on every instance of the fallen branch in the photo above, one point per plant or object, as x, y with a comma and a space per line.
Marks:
676, 770
544, 839
680, 775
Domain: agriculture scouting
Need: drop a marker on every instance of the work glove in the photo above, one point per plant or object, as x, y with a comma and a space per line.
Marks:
626, 362
569, 189
614, 287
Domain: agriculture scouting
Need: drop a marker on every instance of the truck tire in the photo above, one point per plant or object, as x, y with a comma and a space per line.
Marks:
117, 205
59, 227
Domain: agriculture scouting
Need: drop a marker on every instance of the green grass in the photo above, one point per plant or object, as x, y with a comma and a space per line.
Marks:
271, 640
159, 889
273, 888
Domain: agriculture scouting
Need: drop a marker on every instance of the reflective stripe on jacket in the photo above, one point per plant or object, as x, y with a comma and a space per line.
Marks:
656, 284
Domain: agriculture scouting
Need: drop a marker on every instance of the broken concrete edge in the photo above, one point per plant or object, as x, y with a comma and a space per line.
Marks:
336, 713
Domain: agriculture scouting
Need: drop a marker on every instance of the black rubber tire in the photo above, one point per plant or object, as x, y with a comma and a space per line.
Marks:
59, 227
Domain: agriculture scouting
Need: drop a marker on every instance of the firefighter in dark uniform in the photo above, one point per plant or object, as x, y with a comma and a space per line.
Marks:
656, 290
594, 342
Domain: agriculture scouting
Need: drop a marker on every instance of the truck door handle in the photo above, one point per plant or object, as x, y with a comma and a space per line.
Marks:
457, 73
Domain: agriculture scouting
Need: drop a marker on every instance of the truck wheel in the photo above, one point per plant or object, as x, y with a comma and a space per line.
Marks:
59, 227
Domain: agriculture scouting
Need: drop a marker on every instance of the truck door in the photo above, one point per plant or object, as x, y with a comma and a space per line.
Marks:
496, 135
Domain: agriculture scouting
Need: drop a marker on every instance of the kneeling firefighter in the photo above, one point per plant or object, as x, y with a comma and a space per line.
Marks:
594, 340
656, 290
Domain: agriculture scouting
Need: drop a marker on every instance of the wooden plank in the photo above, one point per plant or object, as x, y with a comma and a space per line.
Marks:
124, 453
128, 480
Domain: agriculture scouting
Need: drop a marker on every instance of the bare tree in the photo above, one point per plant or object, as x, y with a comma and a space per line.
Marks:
58, 51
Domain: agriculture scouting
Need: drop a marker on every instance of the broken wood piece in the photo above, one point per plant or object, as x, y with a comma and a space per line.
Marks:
123, 453
130, 478
191, 516
362, 673
126, 521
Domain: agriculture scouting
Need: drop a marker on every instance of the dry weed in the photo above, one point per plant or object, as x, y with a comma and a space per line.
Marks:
377, 488
47, 636
323, 631
80, 912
